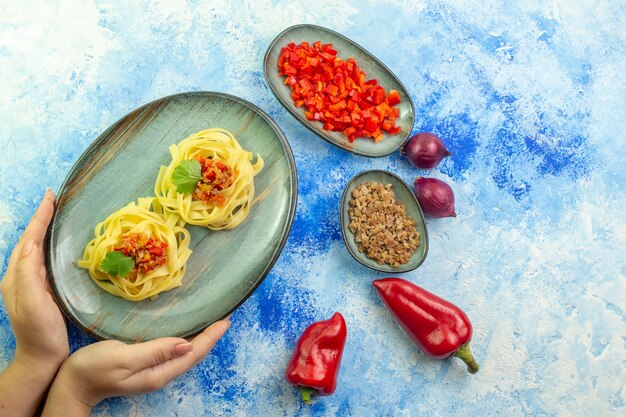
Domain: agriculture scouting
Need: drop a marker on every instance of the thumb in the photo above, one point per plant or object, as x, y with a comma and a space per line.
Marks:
29, 272
156, 352
155, 377
36, 229
205, 341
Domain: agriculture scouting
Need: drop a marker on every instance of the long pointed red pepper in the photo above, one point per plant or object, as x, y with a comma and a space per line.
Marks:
317, 356
437, 326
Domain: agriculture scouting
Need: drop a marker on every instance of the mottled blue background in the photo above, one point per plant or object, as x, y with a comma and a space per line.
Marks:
531, 99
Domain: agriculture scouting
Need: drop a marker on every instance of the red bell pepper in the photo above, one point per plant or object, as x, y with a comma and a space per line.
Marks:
437, 326
315, 362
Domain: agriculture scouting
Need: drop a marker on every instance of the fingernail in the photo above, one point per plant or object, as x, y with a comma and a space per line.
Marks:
228, 317
28, 248
182, 348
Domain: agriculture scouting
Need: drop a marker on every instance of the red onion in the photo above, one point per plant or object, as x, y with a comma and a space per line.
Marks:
425, 150
435, 197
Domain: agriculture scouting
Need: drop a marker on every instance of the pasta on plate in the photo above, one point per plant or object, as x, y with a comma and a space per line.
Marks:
221, 188
145, 248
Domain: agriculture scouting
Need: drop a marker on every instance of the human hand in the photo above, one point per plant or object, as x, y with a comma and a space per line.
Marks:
111, 368
40, 333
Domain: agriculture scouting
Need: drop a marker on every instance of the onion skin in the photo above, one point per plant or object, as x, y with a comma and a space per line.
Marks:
436, 198
425, 150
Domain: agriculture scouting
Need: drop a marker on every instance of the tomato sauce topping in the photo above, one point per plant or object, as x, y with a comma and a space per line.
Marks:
148, 252
216, 176
337, 93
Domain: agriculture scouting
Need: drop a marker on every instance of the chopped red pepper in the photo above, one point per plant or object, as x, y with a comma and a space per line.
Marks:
317, 356
393, 98
437, 326
336, 92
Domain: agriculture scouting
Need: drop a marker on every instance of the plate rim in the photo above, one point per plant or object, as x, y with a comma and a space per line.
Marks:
343, 227
293, 201
306, 123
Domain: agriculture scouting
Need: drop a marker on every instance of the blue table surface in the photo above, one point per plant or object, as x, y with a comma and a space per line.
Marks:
530, 98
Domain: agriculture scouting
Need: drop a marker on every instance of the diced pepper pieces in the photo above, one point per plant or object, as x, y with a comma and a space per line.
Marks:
337, 93
393, 98
370, 125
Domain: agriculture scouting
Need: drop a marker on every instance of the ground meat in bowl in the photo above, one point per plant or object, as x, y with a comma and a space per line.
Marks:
382, 229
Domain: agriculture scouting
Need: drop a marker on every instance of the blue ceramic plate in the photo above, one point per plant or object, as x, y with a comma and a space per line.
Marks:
403, 195
367, 62
120, 166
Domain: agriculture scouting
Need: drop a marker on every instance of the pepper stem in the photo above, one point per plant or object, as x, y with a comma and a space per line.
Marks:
464, 353
306, 394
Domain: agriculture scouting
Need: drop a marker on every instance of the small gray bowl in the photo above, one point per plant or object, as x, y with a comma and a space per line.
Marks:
367, 62
405, 196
